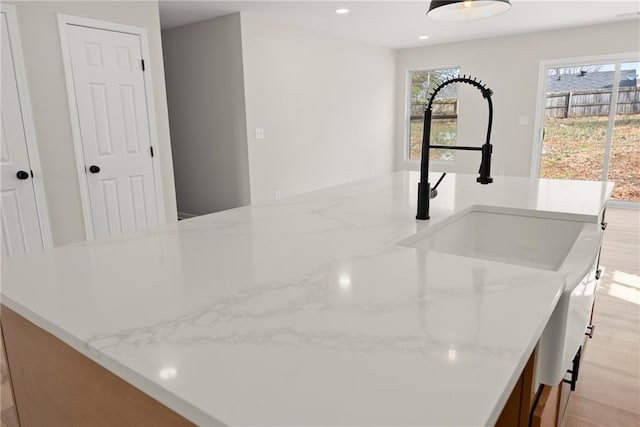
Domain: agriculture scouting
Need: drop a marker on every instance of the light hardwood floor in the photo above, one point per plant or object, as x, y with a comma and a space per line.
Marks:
608, 392
8, 415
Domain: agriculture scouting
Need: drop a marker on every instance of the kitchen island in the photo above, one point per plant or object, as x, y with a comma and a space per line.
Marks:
306, 311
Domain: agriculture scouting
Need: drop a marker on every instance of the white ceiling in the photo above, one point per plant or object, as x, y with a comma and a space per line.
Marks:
397, 24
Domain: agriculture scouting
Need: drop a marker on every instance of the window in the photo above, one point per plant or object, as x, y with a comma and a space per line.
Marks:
444, 123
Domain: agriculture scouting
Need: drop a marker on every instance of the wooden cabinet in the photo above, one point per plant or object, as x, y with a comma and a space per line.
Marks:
520, 403
551, 406
53, 384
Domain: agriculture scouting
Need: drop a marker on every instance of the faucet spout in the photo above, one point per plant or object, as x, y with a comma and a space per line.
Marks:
425, 192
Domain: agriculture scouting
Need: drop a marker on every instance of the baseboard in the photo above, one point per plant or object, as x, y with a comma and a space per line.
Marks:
184, 215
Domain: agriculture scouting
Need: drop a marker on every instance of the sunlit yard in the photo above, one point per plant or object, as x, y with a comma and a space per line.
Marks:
443, 132
574, 149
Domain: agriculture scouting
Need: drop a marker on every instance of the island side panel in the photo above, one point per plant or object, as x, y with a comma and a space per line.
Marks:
518, 408
54, 384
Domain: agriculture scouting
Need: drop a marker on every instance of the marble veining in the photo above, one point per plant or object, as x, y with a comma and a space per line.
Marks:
305, 311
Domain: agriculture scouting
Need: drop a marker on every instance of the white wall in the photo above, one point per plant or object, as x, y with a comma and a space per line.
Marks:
45, 75
326, 105
509, 66
205, 90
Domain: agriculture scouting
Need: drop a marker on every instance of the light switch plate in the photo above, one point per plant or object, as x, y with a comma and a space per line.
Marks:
259, 133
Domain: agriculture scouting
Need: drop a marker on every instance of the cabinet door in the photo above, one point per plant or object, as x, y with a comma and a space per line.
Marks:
519, 405
547, 409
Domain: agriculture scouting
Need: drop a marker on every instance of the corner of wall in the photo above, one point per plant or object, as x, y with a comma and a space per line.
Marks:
247, 196
208, 114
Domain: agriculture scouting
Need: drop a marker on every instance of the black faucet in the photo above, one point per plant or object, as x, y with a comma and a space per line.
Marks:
425, 192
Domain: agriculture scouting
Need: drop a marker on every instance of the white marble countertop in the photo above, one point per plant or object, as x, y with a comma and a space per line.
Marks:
304, 311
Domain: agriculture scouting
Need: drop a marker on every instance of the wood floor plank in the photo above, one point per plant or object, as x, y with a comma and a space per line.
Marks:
623, 362
587, 410
575, 421
8, 414
611, 388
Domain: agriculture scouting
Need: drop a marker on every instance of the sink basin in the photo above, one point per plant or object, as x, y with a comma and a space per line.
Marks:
532, 239
512, 238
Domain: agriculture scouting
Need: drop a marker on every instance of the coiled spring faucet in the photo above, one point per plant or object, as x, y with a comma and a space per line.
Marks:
425, 192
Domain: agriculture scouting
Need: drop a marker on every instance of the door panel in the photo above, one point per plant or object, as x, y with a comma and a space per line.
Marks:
100, 110
128, 109
111, 205
5, 149
114, 128
136, 184
14, 240
20, 224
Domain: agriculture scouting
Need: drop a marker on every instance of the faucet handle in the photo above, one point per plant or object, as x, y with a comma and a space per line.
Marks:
434, 192
439, 180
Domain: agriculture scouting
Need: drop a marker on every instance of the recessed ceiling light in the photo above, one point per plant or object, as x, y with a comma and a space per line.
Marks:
342, 11
423, 37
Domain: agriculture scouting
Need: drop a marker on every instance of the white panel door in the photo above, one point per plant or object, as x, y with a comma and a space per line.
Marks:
20, 230
114, 128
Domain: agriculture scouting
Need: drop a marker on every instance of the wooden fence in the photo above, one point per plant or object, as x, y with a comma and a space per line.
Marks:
591, 103
442, 109
559, 104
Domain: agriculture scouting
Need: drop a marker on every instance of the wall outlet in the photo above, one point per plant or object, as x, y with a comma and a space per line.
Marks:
277, 195
523, 120
259, 133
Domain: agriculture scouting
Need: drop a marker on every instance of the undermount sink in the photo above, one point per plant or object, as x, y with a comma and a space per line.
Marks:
512, 238
532, 239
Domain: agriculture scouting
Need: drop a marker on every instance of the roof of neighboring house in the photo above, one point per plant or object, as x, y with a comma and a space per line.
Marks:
589, 81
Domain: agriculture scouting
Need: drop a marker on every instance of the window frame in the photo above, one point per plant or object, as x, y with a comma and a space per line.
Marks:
407, 160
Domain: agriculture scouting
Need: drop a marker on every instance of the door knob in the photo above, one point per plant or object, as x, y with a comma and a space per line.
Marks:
94, 169
22, 175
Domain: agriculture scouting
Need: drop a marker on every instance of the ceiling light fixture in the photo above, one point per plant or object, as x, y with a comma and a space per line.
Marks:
464, 10
423, 37
342, 11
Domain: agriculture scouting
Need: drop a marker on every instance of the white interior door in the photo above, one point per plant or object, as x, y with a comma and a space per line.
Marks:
114, 128
21, 233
